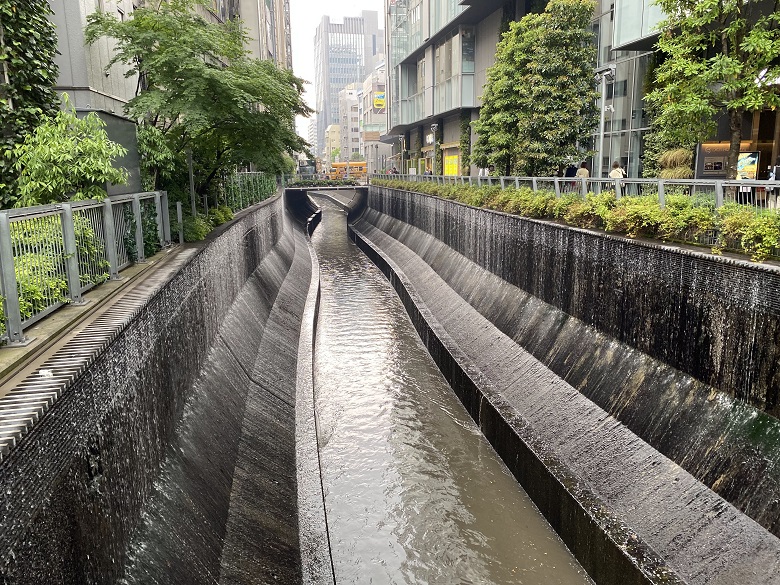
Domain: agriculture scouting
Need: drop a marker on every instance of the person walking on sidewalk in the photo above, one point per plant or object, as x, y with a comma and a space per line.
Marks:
617, 171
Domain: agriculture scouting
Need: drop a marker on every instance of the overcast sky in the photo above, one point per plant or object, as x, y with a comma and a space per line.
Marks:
305, 16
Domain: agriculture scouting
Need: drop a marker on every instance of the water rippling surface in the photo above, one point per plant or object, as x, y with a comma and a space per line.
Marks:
414, 493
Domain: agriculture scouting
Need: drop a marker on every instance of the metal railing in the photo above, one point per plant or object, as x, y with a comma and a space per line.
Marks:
245, 189
50, 255
761, 195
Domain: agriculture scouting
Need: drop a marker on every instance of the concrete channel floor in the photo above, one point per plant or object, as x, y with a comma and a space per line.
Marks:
53, 332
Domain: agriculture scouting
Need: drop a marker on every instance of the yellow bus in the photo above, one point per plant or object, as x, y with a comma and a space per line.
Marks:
355, 169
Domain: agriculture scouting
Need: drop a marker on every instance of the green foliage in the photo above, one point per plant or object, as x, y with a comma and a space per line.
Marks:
635, 216
740, 227
151, 239
156, 157
245, 189
203, 93
66, 157
539, 99
716, 54
219, 215
465, 142
683, 219
357, 156
195, 228
28, 44
296, 182
40, 267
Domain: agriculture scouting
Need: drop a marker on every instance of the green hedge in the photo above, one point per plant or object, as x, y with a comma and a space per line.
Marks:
683, 219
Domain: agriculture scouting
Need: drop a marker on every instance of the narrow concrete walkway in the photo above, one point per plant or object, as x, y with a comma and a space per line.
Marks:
54, 331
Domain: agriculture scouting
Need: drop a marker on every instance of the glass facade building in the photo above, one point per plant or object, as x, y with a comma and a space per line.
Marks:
623, 31
344, 53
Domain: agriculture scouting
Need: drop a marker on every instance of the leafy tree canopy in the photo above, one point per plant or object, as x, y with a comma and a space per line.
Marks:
718, 54
539, 101
28, 44
200, 91
67, 157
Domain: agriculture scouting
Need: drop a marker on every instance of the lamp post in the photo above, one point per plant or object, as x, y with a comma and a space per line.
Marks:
434, 127
603, 75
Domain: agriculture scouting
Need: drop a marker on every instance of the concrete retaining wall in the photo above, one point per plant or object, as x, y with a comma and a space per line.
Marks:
179, 438
527, 360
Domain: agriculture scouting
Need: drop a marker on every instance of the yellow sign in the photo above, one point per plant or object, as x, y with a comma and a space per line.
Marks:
452, 165
379, 100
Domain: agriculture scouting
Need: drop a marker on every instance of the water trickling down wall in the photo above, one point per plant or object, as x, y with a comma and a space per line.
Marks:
200, 380
607, 299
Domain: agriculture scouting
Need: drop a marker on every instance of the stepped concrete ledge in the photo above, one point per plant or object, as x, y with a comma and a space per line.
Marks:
627, 512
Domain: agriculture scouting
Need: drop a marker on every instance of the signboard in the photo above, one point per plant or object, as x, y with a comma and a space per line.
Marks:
379, 102
747, 165
452, 165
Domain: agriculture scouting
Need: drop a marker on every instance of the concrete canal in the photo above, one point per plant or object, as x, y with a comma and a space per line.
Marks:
414, 493
474, 375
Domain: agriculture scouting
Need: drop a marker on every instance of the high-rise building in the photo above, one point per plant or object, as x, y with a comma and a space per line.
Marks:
344, 53
311, 137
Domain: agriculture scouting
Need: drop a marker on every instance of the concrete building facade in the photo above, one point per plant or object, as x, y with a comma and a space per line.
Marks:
267, 23
349, 123
331, 145
372, 109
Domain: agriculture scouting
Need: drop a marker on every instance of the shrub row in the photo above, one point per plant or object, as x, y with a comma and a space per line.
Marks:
683, 219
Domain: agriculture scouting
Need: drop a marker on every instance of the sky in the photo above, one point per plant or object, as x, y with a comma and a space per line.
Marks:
305, 16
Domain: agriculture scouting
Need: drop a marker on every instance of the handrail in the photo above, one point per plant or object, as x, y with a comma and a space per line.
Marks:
51, 254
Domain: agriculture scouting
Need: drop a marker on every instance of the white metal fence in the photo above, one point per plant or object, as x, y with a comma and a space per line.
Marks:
51, 255
761, 195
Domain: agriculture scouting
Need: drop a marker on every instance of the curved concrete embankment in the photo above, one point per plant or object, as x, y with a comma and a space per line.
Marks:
618, 448
171, 458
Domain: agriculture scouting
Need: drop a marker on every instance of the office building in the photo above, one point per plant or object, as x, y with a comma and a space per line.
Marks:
344, 53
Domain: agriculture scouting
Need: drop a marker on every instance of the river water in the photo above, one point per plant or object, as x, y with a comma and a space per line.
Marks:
413, 492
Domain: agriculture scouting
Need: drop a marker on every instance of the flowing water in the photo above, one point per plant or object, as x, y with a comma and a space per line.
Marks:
414, 493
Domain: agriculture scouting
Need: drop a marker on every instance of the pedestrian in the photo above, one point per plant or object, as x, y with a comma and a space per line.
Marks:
571, 171
583, 171
617, 171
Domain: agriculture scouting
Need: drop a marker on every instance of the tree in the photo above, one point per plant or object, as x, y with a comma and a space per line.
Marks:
539, 101
28, 44
67, 157
718, 54
200, 91
356, 156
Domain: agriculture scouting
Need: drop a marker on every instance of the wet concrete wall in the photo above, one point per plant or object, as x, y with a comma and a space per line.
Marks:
178, 443
729, 445
712, 318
